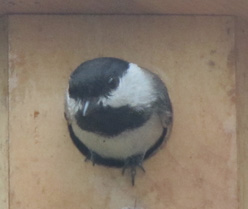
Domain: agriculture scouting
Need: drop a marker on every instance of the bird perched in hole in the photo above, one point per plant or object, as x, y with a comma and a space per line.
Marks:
118, 113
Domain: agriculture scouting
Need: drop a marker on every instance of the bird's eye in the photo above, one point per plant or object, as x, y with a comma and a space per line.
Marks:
113, 82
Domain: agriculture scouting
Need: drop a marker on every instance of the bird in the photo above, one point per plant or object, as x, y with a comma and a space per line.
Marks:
118, 113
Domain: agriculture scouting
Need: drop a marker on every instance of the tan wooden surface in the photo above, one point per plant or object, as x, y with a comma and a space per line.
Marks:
209, 7
242, 109
195, 56
3, 114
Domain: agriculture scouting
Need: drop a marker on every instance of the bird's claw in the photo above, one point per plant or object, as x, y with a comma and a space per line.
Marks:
132, 163
91, 156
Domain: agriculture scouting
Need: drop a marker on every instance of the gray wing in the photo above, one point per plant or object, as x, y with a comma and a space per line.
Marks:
162, 105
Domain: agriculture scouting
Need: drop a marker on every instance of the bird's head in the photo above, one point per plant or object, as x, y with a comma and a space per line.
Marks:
112, 82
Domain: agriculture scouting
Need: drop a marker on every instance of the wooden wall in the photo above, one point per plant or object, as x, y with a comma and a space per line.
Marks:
203, 61
242, 108
190, 7
195, 56
4, 182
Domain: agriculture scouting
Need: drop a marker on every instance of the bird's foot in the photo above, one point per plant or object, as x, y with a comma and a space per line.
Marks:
91, 156
132, 163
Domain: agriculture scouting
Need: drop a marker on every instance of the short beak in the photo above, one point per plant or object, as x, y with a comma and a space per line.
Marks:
89, 106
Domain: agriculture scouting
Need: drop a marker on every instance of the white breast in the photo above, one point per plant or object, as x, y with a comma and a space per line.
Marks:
124, 145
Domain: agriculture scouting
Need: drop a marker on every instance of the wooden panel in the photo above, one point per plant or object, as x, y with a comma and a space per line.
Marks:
193, 55
3, 114
242, 109
209, 7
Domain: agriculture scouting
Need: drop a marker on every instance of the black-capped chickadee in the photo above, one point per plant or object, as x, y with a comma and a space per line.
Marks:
118, 113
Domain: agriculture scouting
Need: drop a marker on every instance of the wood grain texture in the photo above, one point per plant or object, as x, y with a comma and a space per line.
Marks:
242, 109
194, 56
3, 114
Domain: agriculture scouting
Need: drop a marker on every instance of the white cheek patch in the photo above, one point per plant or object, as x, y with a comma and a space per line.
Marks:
135, 90
72, 106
